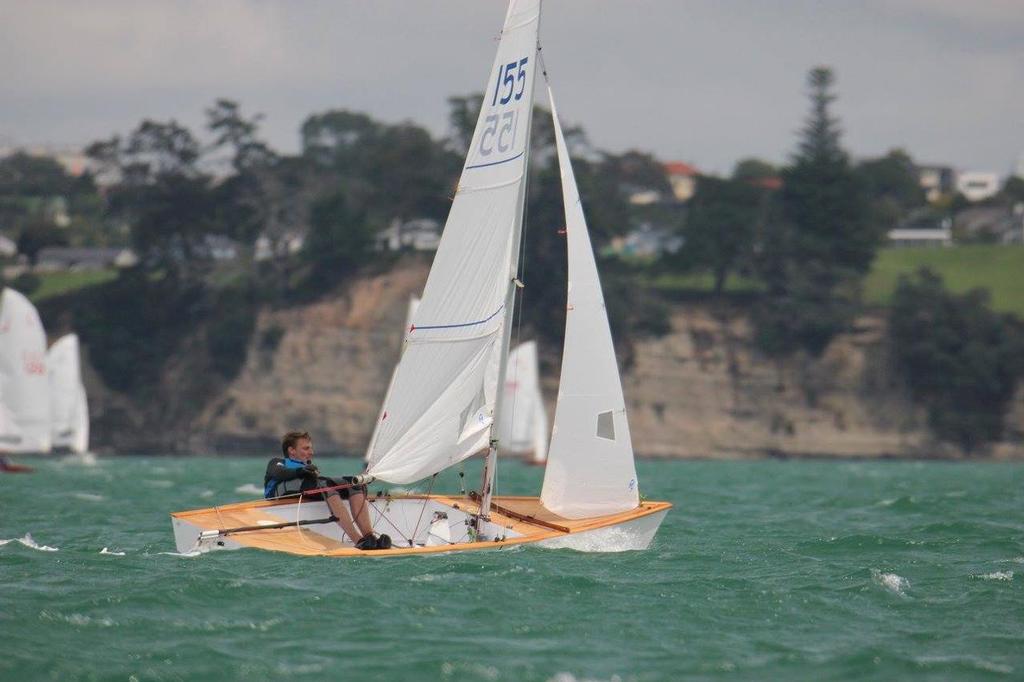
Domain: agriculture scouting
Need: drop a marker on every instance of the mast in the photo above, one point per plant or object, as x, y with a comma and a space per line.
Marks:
487, 483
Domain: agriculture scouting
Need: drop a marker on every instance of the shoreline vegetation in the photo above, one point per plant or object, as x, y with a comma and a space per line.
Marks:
756, 313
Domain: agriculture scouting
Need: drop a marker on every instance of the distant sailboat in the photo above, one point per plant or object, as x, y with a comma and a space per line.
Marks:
69, 407
24, 387
443, 404
523, 424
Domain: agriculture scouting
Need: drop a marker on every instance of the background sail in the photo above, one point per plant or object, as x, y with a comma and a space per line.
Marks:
439, 408
69, 411
590, 469
24, 387
524, 423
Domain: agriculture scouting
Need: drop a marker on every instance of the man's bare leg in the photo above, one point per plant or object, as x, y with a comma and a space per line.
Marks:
340, 512
361, 510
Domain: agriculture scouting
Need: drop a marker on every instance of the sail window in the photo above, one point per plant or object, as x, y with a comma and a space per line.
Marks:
605, 426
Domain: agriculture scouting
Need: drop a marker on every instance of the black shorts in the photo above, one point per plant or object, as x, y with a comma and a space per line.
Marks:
343, 493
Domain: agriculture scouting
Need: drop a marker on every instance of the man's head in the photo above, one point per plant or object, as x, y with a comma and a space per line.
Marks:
297, 445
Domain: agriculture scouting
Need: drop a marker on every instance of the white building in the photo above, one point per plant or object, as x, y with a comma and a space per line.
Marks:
422, 234
978, 185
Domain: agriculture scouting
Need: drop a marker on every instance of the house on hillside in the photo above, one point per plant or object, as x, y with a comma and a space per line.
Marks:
996, 224
8, 247
287, 244
75, 259
421, 234
683, 179
646, 241
978, 185
936, 181
218, 247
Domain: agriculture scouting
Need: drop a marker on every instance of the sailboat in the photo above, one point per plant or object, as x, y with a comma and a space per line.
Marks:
523, 422
24, 387
443, 399
69, 408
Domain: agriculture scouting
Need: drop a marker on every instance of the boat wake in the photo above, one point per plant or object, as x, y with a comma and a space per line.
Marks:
30, 542
890, 581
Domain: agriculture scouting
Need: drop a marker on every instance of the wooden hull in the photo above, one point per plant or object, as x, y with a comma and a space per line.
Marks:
417, 524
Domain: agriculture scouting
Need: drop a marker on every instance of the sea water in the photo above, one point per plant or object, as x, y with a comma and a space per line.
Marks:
763, 570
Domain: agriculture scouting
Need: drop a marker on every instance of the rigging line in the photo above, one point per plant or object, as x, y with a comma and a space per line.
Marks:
426, 499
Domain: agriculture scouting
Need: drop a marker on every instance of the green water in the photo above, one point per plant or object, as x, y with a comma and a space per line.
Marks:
764, 570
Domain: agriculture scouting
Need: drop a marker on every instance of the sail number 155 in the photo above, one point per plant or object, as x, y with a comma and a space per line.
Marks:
510, 75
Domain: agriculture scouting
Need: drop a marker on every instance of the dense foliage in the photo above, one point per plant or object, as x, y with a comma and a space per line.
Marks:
960, 360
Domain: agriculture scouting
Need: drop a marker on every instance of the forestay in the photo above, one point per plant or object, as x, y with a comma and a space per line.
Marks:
523, 427
440, 406
24, 388
69, 411
590, 469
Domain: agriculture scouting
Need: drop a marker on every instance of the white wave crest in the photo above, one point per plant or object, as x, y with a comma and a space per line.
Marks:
90, 497
76, 619
30, 542
111, 553
997, 575
187, 555
249, 489
890, 581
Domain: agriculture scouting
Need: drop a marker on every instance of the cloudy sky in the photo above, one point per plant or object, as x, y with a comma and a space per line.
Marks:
704, 81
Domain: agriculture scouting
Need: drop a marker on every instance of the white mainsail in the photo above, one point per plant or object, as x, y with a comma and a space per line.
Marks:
24, 387
69, 409
523, 427
590, 469
439, 409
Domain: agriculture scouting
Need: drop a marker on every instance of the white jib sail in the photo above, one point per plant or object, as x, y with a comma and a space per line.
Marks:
24, 387
439, 408
590, 469
524, 423
69, 410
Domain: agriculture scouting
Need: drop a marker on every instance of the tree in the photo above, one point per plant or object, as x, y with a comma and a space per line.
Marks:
960, 360
892, 186
37, 235
721, 227
339, 238
749, 170
162, 194
820, 243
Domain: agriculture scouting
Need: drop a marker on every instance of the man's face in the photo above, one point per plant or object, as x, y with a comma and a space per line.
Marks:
302, 450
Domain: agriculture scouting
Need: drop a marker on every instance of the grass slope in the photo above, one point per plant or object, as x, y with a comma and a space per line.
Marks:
1000, 269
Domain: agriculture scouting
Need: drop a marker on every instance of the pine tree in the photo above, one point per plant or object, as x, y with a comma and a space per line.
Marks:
820, 244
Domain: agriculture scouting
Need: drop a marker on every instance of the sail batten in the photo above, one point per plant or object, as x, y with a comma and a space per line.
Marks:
590, 468
440, 405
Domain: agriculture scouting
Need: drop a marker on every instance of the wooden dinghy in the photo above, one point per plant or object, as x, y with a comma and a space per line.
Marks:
443, 404
418, 524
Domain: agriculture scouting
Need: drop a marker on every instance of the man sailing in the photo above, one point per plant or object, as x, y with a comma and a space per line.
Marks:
295, 472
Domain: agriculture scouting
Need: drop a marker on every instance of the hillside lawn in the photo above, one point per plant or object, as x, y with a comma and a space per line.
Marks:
52, 284
998, 268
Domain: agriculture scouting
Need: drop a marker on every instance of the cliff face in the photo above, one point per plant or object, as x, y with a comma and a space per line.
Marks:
701, 391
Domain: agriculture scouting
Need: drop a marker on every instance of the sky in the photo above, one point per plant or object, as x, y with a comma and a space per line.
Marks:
708, 82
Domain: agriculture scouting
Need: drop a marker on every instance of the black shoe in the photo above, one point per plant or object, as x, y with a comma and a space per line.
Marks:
367, 542
384, 542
